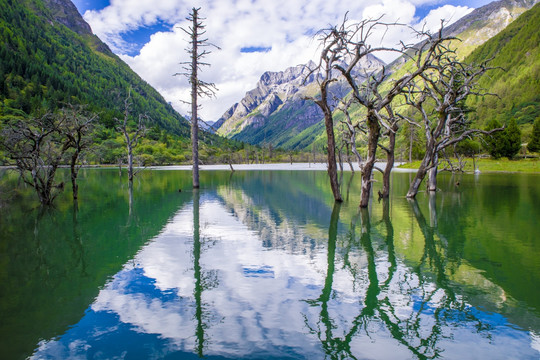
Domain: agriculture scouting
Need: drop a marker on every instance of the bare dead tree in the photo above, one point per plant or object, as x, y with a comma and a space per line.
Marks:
197, 50
77, 124
392, 126
36, 148
351, 129
131, 137
370, 94
332, 48
438, 98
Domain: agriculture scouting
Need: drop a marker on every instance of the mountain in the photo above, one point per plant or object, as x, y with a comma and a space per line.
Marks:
277, 109
302, 125
515, 52
49, 56
485, 22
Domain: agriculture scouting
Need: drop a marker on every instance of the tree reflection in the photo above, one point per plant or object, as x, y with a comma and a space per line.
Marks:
203, 280
389, 240
197, 273
333, 346
78, 247
416, 307
349, 186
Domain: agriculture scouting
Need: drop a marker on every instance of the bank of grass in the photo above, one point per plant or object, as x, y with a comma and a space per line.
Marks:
530, 165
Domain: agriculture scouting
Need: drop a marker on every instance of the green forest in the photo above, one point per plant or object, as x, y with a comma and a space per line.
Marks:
45, 66
515, 54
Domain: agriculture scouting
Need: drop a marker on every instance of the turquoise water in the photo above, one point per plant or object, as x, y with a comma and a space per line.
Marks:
262, 264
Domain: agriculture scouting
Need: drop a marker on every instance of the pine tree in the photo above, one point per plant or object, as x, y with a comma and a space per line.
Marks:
534, 144
494, 143
512, 139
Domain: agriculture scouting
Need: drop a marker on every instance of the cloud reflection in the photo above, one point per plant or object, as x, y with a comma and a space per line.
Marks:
208, 285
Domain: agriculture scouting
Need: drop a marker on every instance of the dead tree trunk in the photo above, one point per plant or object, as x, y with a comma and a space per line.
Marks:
194, 78
329, 55
76, 127
198, 87
74, 173
130, 163
420, 174
374, 131
439, 101
331, 155
390, 160
432, 174
131, 139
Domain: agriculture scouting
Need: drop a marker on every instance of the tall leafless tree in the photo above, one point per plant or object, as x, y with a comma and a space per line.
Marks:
332, 53
131, 137
197, 50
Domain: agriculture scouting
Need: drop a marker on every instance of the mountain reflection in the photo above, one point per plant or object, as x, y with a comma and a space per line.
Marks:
234, 274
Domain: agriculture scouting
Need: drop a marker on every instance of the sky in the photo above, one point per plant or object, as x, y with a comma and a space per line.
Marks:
254, 36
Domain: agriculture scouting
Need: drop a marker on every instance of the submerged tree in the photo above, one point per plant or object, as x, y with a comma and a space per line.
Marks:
197, 50
438, 100
378, 92
36, 148
131, 137
325, 72
77, 124
39, 145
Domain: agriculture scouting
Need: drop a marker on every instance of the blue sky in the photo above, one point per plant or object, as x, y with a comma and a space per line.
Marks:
254, 36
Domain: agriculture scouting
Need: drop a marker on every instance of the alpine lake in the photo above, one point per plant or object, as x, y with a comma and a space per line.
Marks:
263, 265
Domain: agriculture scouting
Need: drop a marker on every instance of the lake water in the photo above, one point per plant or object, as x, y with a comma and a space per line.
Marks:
262, 264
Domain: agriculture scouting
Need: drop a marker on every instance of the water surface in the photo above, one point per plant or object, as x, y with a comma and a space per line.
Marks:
262, 264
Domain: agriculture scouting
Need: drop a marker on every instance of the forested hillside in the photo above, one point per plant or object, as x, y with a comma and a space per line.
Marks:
49, 59
516, 52
44, 64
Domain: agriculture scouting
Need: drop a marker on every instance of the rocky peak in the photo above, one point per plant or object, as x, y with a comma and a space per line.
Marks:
495, 16
66, 13
296, 74
281, 95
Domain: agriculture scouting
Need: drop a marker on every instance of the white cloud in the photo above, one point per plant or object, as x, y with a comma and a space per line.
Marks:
284, 26
450, 14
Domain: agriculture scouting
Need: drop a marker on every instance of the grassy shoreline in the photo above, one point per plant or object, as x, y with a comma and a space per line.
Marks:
531, 165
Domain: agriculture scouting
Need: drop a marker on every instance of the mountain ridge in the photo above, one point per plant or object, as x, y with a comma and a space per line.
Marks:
50, 56
473, 29
280, 105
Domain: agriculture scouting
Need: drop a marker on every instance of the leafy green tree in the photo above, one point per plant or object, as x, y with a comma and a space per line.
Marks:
503, 144
512, 140
534, 144
494, 143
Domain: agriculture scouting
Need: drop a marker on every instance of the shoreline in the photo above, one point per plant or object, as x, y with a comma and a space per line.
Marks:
274, 167
243, 167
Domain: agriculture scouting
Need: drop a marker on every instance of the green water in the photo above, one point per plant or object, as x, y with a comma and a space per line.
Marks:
261, 264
